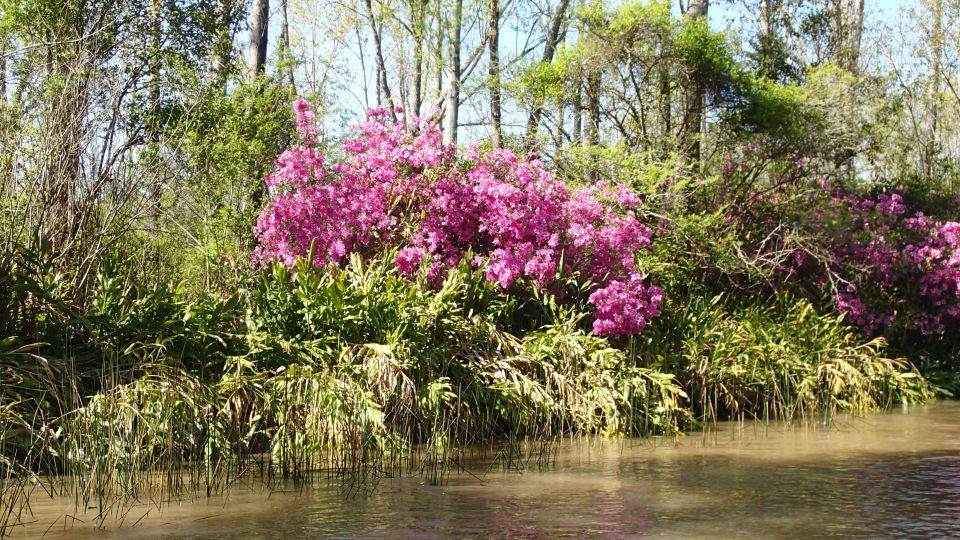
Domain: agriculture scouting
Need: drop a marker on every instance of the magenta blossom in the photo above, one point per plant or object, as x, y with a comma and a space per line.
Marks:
400, 187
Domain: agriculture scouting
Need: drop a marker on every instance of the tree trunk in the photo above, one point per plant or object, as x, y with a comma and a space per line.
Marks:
438, 51
854, 34
697, 10
285, 39
591, 126
561, 121
361, 47
3, 72
765, 38
766, 20
223, 45
419, 9
578, 112
493, 43
549, 48
453, 95
64, 136
153, 134
382, 85
666, 96
936, 57
259, 34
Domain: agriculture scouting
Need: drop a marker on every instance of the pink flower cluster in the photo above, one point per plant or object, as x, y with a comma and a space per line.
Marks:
399, 186
624, 306
906, 264
872, 322
306, 121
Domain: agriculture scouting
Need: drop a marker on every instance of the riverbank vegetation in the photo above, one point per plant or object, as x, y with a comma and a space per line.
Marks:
632, 225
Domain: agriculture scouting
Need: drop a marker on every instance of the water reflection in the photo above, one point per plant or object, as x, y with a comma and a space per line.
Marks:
882, 476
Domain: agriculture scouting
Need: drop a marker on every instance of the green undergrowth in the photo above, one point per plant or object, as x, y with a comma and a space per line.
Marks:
357, 372
777, 360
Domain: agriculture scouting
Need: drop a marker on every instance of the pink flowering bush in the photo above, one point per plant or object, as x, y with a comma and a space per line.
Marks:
400, 188
890, 266
910, 267
886, 260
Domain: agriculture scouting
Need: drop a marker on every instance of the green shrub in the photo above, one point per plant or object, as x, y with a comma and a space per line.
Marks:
783, 361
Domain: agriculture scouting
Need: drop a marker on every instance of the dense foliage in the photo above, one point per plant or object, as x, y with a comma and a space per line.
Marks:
690, 226
401, 187
906, 264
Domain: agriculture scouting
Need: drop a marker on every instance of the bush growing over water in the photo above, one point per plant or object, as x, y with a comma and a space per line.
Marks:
404, 305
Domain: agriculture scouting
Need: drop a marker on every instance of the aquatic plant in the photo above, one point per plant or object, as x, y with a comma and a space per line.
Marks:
350, 370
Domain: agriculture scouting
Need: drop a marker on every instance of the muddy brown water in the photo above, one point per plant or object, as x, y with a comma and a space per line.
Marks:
886, 475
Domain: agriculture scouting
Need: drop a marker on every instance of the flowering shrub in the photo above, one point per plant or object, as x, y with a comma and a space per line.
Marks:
910, 266
403, 188
891, 266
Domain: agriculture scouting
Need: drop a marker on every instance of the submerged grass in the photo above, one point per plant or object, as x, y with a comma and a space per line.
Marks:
358, 373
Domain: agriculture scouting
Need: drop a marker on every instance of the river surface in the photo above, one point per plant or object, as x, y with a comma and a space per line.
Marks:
879, 476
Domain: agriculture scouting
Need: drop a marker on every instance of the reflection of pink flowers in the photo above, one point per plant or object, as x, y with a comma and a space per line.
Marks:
402, 187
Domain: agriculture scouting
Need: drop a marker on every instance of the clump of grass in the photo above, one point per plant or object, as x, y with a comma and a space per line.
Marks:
781, 361
15, 477
350, 382
162, 434
30, 406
